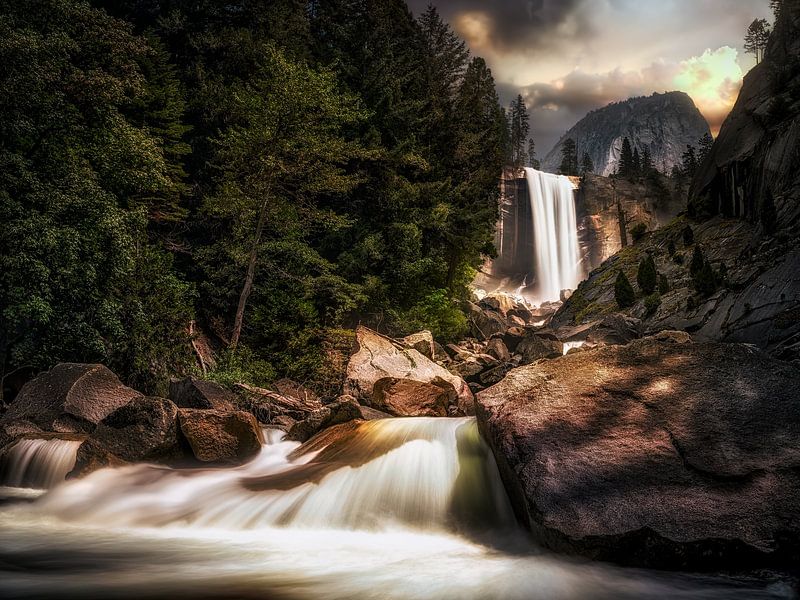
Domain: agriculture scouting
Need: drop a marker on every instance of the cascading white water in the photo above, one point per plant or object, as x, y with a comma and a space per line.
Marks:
38, 463
555, 225
422, 472
385, 509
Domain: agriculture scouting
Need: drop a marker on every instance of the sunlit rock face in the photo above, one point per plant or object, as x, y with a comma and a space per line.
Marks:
664, 123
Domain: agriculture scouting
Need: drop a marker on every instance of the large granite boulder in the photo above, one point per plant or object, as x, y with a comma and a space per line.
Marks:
377, 357
221, 438
145, 429
409, 398
663, 452
536, 347
200, 393
422, 342
341, 410
70, 398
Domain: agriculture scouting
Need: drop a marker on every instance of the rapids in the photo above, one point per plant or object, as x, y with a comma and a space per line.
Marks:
400, 508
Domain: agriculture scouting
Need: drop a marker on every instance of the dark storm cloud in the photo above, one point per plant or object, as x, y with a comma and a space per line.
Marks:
517, 25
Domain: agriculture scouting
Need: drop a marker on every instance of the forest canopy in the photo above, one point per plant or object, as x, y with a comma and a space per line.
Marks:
274, 171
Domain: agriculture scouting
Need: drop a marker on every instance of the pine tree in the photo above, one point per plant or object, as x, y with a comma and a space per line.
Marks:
519, 128
626, 167
647, 162
636, 163
623, 291
704, 148
569, 158
647, 275
698, 260
757, 38
533, 163
688, 236
689, 162
587, 165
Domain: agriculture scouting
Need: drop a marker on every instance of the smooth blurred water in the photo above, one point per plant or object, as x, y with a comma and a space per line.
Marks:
402, 508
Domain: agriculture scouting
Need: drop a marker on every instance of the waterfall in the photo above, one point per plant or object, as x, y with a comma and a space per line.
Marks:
536, 239
430, 473
38, 463
552, 199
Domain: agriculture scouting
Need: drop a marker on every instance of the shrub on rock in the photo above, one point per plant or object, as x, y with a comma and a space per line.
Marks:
647, 275
623, 291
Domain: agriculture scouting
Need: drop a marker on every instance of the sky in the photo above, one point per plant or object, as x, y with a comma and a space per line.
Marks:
568, 57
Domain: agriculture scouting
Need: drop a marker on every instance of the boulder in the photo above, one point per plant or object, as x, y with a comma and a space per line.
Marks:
513, 337
342, 410
439, 353
497, 349
409, 398
219, 437
484, 323
536, 347
422, 342
200, 393
292, 389
468, 369
656, 453
93, 456
70, 398
377, 357
145, 429
615, 329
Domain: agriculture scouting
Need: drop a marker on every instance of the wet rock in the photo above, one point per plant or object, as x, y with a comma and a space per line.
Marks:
92, 456
70, 398
220, 437
656, 453
145, 429
342, 410
422, 342
377, 358
409, 398
536, 347
199, 393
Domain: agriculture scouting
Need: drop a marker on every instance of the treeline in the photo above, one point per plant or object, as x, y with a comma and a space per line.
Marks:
272, 170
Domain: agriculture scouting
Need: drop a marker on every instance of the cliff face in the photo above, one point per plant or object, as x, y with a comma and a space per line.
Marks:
755, 161
664, 123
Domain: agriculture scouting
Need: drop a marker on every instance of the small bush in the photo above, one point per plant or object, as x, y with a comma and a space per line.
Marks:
688, 236
663, 284
638, 231
698, 262
652, 302
671, 248
705, 282
437, 313
623, 291
647, 276
242, 366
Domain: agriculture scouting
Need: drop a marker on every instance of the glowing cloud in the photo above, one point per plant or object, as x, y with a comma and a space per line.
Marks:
713, 80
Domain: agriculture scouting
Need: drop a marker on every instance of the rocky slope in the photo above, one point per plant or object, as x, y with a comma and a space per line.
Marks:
664, 123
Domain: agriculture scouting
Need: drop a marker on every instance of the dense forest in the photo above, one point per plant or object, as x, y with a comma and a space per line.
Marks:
274, 171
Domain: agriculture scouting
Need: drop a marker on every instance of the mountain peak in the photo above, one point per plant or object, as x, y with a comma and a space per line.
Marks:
663, 122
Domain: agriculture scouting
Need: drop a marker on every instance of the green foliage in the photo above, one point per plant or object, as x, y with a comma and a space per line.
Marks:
623, 291
627, 167
436, 313
698, 261
688, 236
587, 164
242, 366
569, 158
85, 149
663, 284
638, 231
320, 164
652, 302
647, 275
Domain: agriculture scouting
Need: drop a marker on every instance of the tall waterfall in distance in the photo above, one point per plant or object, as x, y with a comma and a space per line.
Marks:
552, 199
537, 238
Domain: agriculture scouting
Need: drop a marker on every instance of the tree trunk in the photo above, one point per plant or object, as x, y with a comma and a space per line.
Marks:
248, 280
